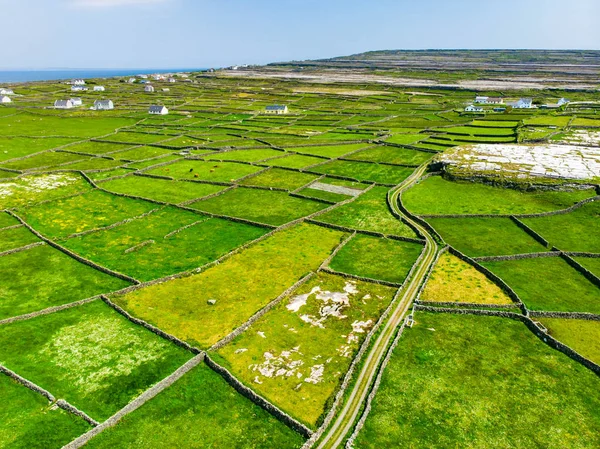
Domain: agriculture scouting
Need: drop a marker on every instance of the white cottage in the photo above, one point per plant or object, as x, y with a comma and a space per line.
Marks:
76, 101
523, 103
5, 91
276, 109
78, 82
78, 88
131, 80
5, 99
481, 100
99, 89
561, 102
63, 104
172, 80
158, 110
103, 105
149, 88
473, 108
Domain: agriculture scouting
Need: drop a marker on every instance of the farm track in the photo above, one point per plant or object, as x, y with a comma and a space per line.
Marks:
335, 436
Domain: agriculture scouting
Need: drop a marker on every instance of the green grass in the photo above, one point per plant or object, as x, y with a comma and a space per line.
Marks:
477, 237
43, 277
7, 220
199, 410
548, 120
438, 196
145, 164
246, 155
163, 254
279, 178
480, 382
206, 171
453, 280
241, 285
80, 213
47, 159
369, 212
89, 355
576, 231
16, 238
298, 322
135, 138
99, 176
377, 258
13, 147
27, 420
97, 148
581, 335
548, 284
405, 139
93, 163
392, 155
141, 153
362, 171
161, 189
37, 188
35, 125
592, 264
330, 151
324, 195
295, 161
263, 206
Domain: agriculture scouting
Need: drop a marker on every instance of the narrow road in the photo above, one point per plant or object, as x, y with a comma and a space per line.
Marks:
335, 436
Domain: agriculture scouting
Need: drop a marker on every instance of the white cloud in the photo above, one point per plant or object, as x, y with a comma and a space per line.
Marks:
113, 3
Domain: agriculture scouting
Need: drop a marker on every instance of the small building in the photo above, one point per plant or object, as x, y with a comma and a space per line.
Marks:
78, 82
481, 100
561, 102
149, 88
473, 108
172, 80
495, 100
131, 80
523, 103
76, 101
166, 89
499, 109
158, 110
5, 91
103, 105
143, 76
5, 99
276, 109
63, 104
99, 89
78, 88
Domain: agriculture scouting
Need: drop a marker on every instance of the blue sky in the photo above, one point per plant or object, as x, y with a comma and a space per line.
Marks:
205, 33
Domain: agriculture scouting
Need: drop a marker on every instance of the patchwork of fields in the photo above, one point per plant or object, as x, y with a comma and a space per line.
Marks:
214, 277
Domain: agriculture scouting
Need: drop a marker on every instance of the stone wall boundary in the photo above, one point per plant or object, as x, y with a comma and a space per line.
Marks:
579, 254
542, 255
312, 198
75, 411
465, 305
48, 311
257, 399
587, 273
337, 249
565, 315
21, 249
429, 273
419, 220
530, 231
75, 256
548, 339
26, 383
371, 397
254, 318
150, 327
137, 402
7, 228
360, 278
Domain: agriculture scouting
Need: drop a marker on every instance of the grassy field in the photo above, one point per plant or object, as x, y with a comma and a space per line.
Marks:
454, 280
369, 212
294, 161
199, 410
241, 285
377, 258
263, 206
16, 238
90, 355
478, 237
576, 231
592, 264
205, 171
548, 284
362, 171
43, 277
331, 151
37, 188
280, 178
7, 220
284, 365
466, 381
13, 147
246, 155
27, 420
161, 189
437, 196
392, 155
96, 209
581, 335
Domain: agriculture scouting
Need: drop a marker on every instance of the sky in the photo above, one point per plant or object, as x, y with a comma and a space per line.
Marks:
37, 34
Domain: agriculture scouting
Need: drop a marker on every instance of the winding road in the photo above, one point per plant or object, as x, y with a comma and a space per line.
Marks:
343, 425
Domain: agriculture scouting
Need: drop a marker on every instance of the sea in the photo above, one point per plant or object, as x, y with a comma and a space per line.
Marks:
21, 76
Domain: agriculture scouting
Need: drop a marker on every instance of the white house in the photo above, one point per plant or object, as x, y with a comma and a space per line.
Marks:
561, 102
481, 100
473, 108
103, 105
78, 88
149, 88
143, 76
99, 89
172, 80
131, 80
76, 101
523, 103
158, 110
78, 82
63, 104
5, 99
166, 89
5, 91
277, 109
488, 100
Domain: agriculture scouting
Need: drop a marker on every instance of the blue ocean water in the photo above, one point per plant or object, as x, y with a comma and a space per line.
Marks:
20, 76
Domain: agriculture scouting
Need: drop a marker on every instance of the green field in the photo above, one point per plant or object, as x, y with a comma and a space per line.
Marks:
280, 179
199, 410
37, 188
377, 258
16, 238
548, 284
591, 263
90, 355
437, 196
477, 237
580, 335
362, 171
392, 155
460, 381
205, 171
241, 285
